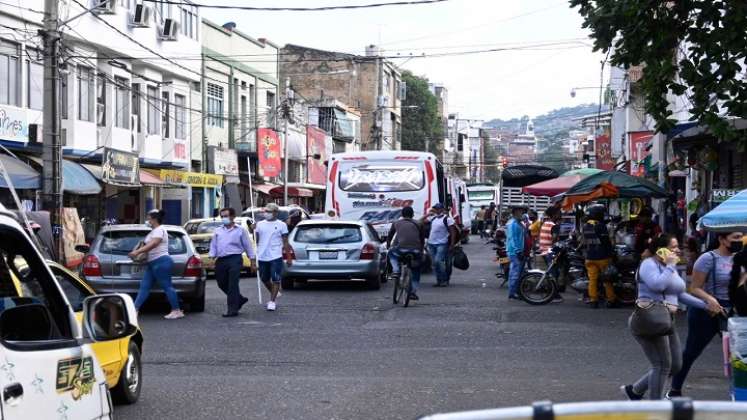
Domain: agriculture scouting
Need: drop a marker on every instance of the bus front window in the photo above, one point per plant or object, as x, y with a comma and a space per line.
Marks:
374, 178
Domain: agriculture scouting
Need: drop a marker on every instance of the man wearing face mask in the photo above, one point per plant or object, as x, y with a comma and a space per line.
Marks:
272, 241
228, 243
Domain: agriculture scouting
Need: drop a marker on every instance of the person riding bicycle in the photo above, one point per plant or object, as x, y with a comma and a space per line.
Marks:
408, 236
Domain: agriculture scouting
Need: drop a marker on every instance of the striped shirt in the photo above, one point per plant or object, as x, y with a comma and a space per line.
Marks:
545, 242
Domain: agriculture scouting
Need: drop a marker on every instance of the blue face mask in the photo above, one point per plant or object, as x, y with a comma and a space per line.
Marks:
226, 221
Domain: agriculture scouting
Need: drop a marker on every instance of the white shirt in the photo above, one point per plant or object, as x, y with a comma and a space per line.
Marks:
439, 233
162, 248
270, 239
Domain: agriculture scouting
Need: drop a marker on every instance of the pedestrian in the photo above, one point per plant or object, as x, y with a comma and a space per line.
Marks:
226, 247
645, 230
549, 235
596, 240
535, 225
490, 216
442, 238
738, 283
660, 291
480, 217
272, 241
294, 218
159, 264
406, 237
515, 238
710, 282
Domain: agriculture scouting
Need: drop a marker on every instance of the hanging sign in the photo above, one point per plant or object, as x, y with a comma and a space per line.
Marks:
118, 167
268, 149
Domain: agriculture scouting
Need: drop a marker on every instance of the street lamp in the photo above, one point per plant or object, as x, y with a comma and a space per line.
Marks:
573, 90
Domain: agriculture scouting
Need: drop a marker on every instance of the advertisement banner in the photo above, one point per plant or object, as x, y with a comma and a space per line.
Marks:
195, 179
315, 144
13, 124
603, 149
268, 149
638, 142
223, 161
118, 167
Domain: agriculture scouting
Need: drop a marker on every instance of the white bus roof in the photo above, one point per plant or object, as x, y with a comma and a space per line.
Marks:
383, 155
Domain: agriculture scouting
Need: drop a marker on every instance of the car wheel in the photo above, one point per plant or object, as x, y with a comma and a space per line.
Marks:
287, 283
373, 283
127, 390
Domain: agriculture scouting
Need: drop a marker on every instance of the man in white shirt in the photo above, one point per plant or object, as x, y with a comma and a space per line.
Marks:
272, 241
441, 239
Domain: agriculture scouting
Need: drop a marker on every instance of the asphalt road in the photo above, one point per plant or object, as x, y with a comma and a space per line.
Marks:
337, 351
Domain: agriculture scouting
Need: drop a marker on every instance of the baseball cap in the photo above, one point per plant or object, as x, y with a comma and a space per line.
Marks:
272, 207
438, 206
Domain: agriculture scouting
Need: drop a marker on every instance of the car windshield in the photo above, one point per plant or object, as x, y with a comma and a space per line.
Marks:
208, 227
122, 242
328, 234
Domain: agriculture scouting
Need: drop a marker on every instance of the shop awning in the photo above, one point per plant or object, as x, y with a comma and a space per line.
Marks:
21, 175
96, 171
264, 188
150, 180
279, 191
75, 178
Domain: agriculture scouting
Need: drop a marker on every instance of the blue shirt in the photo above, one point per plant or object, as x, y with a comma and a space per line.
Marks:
515, 232
660, 283
230, 241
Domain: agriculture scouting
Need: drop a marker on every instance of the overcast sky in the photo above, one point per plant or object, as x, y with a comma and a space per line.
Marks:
496, 84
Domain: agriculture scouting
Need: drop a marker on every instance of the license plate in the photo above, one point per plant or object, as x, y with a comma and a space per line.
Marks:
327, 255
503, 260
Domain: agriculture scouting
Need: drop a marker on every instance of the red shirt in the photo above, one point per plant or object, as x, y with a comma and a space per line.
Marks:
645, 232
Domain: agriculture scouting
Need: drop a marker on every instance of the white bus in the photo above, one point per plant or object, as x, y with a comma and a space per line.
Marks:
480, 195
374, 186
459, 207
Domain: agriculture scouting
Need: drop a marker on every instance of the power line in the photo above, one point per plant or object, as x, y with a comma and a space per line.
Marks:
299, 9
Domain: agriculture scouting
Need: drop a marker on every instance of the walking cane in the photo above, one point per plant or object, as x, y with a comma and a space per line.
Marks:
254, 230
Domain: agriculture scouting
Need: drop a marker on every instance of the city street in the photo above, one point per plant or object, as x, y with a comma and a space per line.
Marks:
337, 351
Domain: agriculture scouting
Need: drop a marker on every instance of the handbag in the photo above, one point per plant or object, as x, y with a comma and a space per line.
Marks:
459, 259
140, 258
651, 319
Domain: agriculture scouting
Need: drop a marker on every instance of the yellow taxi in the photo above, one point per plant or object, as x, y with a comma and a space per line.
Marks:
200, 231
119, 359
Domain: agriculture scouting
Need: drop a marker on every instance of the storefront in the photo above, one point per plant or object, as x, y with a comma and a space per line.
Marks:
120, 199
182, 185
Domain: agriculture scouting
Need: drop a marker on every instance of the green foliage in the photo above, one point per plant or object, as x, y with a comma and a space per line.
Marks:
686, 47
421, 124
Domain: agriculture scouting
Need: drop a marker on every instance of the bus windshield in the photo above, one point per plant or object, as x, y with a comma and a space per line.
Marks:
481, 195
365, 177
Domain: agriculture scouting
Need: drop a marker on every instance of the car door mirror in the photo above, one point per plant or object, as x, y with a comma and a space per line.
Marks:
83, 248
109, 317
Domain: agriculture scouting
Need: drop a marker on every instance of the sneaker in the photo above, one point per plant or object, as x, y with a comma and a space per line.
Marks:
243, 302
271, 306
175, 314
630, 394
513, 297
673, 393
414, 296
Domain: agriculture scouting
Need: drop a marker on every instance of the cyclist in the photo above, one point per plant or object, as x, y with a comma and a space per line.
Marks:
408, 236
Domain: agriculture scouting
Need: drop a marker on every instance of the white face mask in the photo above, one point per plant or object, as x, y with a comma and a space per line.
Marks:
147, 223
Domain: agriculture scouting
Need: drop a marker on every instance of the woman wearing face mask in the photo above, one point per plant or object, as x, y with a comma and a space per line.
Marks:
710, 282
660, 291
159, 265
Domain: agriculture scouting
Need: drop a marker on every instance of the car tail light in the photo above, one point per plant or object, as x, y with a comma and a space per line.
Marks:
289, 255
91, 266
368, 251
193, 268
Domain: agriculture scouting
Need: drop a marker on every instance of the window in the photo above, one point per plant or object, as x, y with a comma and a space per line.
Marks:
10, 70
379, 178
180, 117
121, 242
152, 110
85, 94
270, 98
136, 104
101, 99
165, 113
121, 103
460, 142
72, 288
35, 85
215, 105
190, 22
328, 234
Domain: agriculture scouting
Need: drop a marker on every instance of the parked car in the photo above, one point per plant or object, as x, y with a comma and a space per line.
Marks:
120, 359
108, 269
283, 214
331, 249
201, 233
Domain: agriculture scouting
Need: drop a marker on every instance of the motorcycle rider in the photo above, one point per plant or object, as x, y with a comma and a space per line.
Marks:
596, 240
516, 233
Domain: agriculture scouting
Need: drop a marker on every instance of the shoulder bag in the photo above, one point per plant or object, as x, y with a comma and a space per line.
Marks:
651, 319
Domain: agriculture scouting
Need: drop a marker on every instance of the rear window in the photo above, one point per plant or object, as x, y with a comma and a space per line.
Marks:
122, 242
329, 234
208, 227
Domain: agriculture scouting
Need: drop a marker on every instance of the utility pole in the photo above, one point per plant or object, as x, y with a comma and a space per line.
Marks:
287, 115
52, 150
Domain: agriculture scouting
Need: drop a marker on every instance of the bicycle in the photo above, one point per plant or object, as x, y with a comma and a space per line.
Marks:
403, 284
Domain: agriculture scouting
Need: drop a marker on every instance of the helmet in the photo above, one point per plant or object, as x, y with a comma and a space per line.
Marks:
596, 211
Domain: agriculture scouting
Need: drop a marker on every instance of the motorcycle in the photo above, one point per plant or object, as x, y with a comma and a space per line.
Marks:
621, 273
501, 255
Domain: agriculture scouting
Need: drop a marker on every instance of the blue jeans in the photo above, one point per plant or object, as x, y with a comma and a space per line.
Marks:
158, 270
394, 256
439, 253
271, 271
514, 273
227, 275
701, 328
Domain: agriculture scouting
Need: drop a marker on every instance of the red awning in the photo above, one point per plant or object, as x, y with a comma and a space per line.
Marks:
553, 187
147, 178
264, 188
278, 192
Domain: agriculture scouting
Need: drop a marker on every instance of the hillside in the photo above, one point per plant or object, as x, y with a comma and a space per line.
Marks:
558, 120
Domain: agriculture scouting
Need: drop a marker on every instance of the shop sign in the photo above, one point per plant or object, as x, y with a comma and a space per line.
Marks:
195, 179
719, 196
13, 124
603, 148
268, 150
120, 167
224, 161
638, 142
317, 154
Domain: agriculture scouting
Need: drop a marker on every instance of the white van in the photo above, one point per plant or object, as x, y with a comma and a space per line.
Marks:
459, 206
47, 367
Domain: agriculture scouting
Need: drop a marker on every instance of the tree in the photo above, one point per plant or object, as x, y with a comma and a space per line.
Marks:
421, 122
694, 48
